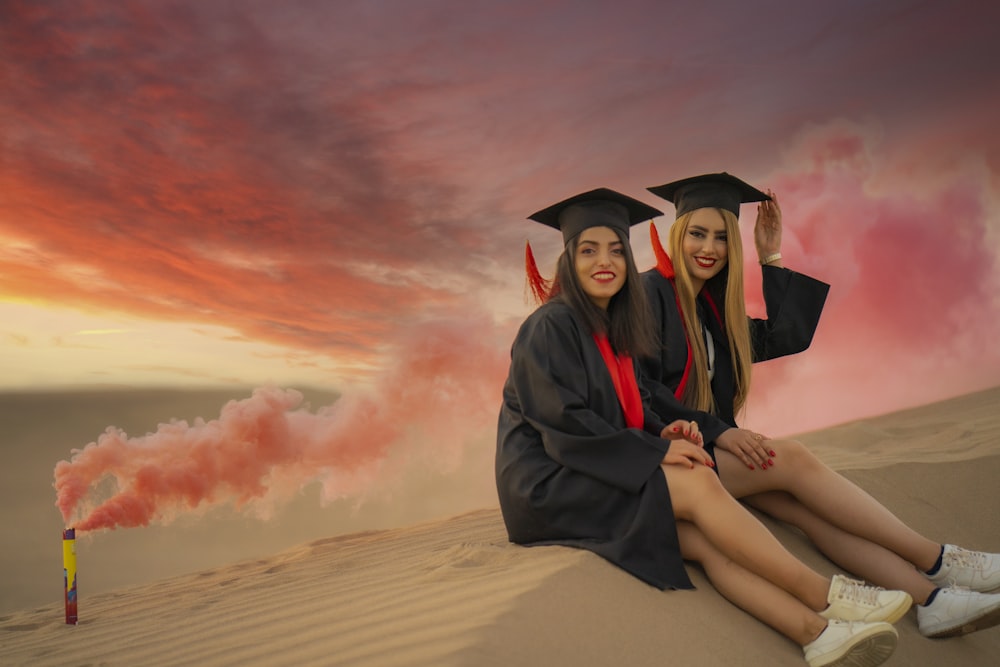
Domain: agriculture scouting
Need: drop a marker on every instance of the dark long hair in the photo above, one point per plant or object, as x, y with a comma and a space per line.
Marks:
628, 321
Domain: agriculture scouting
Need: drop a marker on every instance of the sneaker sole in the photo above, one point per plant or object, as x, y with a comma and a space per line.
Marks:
898, 613
868, 652
987, 620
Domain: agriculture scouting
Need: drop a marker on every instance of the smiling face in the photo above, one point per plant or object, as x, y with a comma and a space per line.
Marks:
600, 264
705, 246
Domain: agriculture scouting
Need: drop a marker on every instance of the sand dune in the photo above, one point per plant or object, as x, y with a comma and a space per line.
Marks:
958, 429
455, 592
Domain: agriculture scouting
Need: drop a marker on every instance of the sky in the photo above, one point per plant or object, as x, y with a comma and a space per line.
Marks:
281, 194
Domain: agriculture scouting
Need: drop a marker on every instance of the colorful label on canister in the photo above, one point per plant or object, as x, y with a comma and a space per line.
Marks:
69, 573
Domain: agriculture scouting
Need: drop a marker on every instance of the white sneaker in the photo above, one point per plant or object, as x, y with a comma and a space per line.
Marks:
852, 600
958, 611
851, 643
974, 570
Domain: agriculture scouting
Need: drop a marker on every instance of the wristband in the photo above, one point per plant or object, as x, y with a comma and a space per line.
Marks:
770, 258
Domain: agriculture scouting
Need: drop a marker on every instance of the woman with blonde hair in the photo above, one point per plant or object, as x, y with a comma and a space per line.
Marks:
708, 345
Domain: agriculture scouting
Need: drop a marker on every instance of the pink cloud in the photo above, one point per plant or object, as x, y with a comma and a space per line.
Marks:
912, 311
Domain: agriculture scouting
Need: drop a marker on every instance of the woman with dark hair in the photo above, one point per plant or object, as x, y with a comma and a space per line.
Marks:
582, 461
704, 362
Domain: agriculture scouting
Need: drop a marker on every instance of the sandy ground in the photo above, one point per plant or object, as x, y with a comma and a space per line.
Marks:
226, 590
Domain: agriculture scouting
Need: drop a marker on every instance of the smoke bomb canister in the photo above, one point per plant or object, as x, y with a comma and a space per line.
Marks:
69, 573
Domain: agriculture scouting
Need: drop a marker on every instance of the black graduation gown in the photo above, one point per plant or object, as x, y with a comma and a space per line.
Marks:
794, 303
568, 471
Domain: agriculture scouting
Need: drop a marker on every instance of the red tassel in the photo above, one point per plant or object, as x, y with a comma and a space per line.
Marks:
663, 263
540, 288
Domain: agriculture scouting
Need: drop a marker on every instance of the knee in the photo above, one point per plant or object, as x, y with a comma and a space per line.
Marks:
689, 487
794, 453
703, 478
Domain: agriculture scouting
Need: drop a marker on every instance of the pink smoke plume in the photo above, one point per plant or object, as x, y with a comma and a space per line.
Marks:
912, 263
441, 393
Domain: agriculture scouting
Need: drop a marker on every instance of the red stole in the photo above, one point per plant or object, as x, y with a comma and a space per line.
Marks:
623, 377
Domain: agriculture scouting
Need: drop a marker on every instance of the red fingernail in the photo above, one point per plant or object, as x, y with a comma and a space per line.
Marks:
772, 453
750, 465
770, 462
763, 466
675, 429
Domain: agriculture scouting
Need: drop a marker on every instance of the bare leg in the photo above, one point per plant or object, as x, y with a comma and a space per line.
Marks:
854, 554
698, 497
830, 496
757, 596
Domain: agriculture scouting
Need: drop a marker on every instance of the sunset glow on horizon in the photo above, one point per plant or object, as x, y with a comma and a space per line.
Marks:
261, 193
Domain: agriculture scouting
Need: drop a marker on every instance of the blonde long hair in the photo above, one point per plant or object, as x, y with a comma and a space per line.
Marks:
729, 281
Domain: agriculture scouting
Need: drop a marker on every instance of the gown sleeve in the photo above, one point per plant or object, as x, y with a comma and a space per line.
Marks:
556, 384
794, 303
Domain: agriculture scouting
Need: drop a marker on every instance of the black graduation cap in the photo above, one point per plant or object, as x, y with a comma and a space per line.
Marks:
709, 191
597, 208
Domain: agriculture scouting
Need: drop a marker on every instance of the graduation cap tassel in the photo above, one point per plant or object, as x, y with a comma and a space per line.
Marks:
663, 263
536, 284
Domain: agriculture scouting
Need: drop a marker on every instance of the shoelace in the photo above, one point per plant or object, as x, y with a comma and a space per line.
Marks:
975, 560
857, 591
